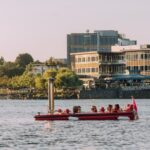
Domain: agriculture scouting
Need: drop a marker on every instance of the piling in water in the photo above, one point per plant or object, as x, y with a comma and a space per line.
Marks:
51, 95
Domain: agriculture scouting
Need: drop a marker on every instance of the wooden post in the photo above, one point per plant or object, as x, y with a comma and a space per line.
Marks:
51, 95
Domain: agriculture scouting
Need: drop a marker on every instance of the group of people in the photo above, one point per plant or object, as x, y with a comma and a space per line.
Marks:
110, 109
113, 109
60, 111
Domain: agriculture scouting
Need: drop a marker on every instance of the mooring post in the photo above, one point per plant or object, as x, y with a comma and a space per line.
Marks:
51, 95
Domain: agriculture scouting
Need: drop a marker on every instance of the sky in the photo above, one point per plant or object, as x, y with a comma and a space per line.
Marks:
40, 27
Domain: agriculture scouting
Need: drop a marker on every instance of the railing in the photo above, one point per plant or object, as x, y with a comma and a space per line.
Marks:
112, 62
131, 88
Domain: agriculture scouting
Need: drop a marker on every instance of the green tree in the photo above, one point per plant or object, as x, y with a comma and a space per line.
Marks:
66, 78
23, 59
40, 83
51, 61
50, 73
10, 69
27, 80
4, 82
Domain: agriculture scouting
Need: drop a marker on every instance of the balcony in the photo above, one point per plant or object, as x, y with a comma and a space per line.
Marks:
106, 62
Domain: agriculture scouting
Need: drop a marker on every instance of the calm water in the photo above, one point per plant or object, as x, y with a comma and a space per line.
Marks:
19, 130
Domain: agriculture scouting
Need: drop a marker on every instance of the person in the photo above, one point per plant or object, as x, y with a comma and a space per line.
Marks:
94, 109
116, 108
129, 108
102, 109
76, 109
59, 111
109, 108
66, 111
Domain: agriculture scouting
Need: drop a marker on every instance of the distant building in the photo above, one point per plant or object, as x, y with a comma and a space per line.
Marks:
41, 68
98, 64
53, 63
133, 59
137, 58
99, 41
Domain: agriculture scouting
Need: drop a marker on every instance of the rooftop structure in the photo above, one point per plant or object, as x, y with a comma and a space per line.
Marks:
99, 40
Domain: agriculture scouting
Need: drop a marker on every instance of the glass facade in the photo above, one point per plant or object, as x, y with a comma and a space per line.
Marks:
97, 41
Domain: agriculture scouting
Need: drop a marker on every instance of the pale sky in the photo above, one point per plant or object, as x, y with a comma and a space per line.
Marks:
40, 27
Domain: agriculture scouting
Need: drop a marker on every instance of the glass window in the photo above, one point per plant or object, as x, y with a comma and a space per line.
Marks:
93, 58
142, 56
93, 69
79, 70
83, 59
83, 70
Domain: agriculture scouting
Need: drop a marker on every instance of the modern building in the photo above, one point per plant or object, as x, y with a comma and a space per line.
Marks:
98, 64
123, 64
137, 58
98, 41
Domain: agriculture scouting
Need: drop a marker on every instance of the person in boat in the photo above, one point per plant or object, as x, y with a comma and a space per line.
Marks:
77, 109
59, 111
116, 108
109, 108
102, 109
129, 108
94, 109
66, 111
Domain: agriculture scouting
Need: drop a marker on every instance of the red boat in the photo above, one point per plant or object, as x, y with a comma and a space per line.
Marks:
87, 116
78, 115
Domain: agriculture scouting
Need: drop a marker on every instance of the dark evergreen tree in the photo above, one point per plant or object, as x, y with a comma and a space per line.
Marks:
23, 59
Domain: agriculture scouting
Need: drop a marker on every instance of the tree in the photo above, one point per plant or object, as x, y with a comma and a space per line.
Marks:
40, 83
23, 59
66, 78
10, 69
50, 73
51, 61
2, 60
4, 81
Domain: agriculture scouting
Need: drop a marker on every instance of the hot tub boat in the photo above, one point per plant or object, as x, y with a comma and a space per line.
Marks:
52, 116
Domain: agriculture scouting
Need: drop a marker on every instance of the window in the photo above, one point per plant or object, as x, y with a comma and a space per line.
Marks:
79, 59
146, 68
87, 69
83, 59
79, 70
145, 56
142, 56
88, 59
93, 58
83, 70
93, 69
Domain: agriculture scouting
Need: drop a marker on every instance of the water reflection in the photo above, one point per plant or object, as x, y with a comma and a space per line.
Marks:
49, 126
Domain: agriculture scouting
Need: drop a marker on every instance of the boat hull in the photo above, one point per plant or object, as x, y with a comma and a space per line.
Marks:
85, 116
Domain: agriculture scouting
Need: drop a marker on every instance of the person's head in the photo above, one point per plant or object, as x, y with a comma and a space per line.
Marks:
128, 105
109, 108
79, 108
59, 110
67, 111
102, 109
117, 107
94, 109
131, 107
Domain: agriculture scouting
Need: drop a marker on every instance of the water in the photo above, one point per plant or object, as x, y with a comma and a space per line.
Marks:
19, 130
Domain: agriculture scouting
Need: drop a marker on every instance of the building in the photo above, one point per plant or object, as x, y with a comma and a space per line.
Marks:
52, 63
98, 41
41, 68
123, 64
137, 58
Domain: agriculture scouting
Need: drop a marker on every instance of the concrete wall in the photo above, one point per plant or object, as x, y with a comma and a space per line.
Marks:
113, 93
